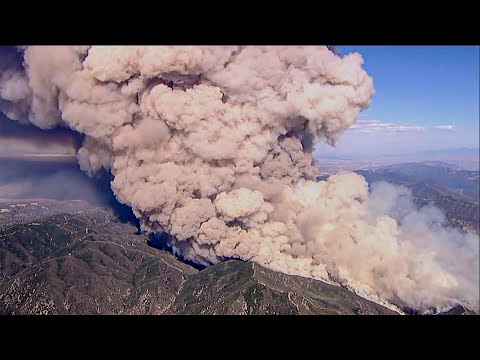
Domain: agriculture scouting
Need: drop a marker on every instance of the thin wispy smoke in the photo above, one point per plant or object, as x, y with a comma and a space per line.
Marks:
376, 126
27, 140
213, 145
26, 177
444, 127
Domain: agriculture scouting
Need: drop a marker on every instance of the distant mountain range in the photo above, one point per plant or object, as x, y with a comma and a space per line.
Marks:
463, 158
462, 183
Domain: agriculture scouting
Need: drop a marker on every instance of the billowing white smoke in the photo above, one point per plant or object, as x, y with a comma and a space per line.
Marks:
213, 145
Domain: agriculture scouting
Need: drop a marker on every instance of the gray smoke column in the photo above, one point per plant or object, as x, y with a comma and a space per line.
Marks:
213, 145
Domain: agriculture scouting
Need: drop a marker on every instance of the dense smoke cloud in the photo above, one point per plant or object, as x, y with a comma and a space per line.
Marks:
213, 145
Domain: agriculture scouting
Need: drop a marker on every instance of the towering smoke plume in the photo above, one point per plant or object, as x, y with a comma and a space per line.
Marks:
213, 145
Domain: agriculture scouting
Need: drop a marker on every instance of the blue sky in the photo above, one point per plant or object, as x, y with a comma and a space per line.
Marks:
427, 98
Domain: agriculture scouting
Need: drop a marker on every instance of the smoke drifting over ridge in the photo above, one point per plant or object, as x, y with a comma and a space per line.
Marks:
27, 140
213, 145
